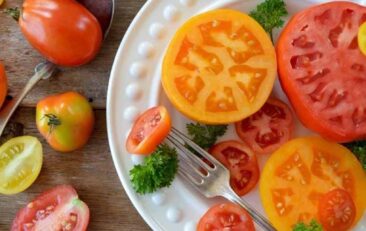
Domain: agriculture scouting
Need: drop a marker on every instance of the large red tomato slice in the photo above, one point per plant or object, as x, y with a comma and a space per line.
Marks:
242, 163
323, 71
226, 216
56, 209
267, 129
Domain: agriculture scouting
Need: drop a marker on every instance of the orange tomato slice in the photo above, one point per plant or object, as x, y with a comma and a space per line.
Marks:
220, 67
301, 172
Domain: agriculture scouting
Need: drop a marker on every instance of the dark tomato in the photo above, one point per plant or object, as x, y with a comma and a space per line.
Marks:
269, 128
148, 131
56, 209
242, 163
226, 216
322, 69
336, 210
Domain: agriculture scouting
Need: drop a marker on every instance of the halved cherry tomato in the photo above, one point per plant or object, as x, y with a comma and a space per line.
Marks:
362, 38
242, 163
301, 172
56, 209
65, 120
63, 31
220, 67
267, 129
226, 216
322, 69
337, 210
148, 131
20, 164
3, 84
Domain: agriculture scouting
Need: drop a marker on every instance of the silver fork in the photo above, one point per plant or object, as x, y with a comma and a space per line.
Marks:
215, 182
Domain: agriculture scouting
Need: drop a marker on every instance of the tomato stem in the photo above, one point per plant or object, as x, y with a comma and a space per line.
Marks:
13, 12
53, 121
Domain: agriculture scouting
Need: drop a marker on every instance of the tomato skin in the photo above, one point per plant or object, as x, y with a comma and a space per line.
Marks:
337, 210
75, 115
218, 218
3, 84
152, 135
63, 31
58, 198
241, 162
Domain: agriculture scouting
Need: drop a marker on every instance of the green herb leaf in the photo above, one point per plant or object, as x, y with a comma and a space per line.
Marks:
157, 172
359, 150
313, 226
269, 14
205, 136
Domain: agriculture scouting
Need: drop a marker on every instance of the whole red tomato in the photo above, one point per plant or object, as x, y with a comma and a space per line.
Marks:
65, 120
3, 84
63, 31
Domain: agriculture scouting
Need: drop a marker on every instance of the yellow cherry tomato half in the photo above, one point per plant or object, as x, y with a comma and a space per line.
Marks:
362, 38
220, 67
20, 163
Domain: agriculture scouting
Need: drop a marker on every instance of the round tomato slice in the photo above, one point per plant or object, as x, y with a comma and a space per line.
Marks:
323, 71
149, 130
220, 67
226, 216
337, 210
20, 164
3, 84
56, 209
241, 162
301, 172
267, 129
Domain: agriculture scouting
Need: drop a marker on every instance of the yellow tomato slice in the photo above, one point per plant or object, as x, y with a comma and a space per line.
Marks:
362, 38
20, 164
299, 173
220, 67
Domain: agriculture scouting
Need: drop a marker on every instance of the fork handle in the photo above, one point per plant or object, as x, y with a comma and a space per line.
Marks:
257, 217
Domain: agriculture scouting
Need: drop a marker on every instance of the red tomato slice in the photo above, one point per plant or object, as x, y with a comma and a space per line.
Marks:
337, 210
149, 130
56, 209
242, 163
323, 71
226, 216
269, 128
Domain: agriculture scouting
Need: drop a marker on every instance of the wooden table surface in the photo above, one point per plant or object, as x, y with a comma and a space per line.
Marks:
90, 170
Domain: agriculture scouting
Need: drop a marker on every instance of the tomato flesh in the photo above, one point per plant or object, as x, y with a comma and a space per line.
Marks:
226, 216
301, 172
20, 164
220, 67
241, 162
266, 130
337, 210
3, 84
148, 131
56, 209
322, 69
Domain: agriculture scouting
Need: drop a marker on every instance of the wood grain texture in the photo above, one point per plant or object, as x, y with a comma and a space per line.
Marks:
90, 170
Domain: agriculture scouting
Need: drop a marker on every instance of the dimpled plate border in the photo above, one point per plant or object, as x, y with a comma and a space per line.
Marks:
134, 86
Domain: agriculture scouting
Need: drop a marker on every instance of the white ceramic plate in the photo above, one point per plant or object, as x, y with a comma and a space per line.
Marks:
135, 85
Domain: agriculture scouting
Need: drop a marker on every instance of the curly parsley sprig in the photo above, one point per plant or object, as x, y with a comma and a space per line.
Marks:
205, 136
313, 226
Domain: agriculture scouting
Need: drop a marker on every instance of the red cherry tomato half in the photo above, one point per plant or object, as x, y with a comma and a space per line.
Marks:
242, 163
56, 209
337, 211
3, 84
148, 131
226, 216
269, 128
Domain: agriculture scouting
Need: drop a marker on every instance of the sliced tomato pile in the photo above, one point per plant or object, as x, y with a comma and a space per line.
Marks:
323, 71
298, 176
56, 209
226, 216
269, 128
242, 163
220, 67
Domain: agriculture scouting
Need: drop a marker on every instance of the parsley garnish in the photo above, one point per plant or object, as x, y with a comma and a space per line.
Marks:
205, 135
359, 150
269, 14
313, 226
157, 172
